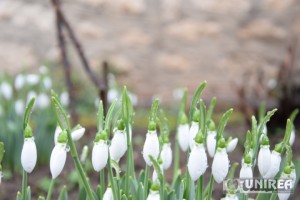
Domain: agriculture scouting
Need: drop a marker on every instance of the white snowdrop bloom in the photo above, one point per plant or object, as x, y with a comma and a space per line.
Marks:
19, 81
166, 155
56, 134
133, 98
197, 163
58, 159
247, 173
292, 138
153, 195
29, 154
211, 143
285, 195
47, 82
6, 90
264, 159
192, 134
43, 69
220, 165
118, 146
108, 194
230, 197
274, 165
78, 133
112, 95
183, 136
99, 155
30, 95
231, 145
19, 107
64, 98
32, 79
84, 153
151, 147
42, 101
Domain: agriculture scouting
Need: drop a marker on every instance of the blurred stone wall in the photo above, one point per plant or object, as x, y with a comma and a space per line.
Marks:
158, 44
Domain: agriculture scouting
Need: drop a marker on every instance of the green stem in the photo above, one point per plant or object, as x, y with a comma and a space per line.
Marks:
211, 184
129, 160
273, 196
24, 185
79, 166
111, 178
102, 182
50, 189
146, 181
199, 193
176, 160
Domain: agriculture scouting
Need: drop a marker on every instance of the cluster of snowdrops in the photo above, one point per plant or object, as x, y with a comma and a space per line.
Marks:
196, 135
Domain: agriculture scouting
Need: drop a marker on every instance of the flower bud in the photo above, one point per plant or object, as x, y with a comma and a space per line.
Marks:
100, 152
166, 155
77, 133
56, 134
151, 147
231, 145
84, 153
58, 159
192, 134
29, 154
118, 146
246, 171
274, 165
211, 143
285, 195
264, 159
292, 138
183, 136
154, 192
108, 194
197, 163
220, 165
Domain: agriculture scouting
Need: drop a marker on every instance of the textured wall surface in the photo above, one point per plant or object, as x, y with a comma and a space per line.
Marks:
158, 44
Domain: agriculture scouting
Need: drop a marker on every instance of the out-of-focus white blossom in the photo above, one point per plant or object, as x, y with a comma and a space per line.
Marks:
151, 147
64, 99
192, 134
183, 136
166, 155
42, 101
47, 83
19, 107
231, 145
19, 81
32, 79
6, 90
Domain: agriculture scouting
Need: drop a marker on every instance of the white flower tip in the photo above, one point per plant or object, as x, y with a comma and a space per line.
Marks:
231, 145
77, 134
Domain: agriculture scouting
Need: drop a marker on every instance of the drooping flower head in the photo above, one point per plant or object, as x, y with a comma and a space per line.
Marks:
275, 162
194, 128
151, 145
183, 133
220, 165
118, 145
100, 151
154, 192
211, 139
264, 157
231, 144
29, 152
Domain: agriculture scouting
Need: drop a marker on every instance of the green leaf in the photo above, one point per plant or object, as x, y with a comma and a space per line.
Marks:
183, 101
63, 195
202, 121
254, 131
264, 122
294, 115
156, 167
99, 192
82, 194
231, 172
41, 198
153, 110
28, 112
19, 196
109, 116
288, 131
61, 115
28, 193
211, 108
100, 117
223, 122
123, 197
1, 152
261, 111
140, 191
195, 98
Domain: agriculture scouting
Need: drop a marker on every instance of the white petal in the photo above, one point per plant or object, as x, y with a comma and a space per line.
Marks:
231, 145
6, 90
183, 136
275, 165
118, 146
32, 79
154, 175
247, 173
64, 98
108, 194
284, 195
99, 155
42, 101
197, 163
211, 143
220, 165
192, 134
77, 134
29, 155
19, 107
58, 159
153, 195
292, 138
19, 81
151, 147
264, 160
166, 155
47, 83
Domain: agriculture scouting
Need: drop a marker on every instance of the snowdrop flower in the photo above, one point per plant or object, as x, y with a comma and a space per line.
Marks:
29, 152
30, 95
59, 155
47, 83
77, 133
166, 155
264, 157
231, 145
154, 192
151, 145
274, 164
220, 165
19, 81
19, 107
108, 194
194, 128
84, 153
211, 140
112, 95
292, 138
197, 163
183, 133
118, 145
230, 197
6, 90
286, 175
133, 98
64, 99
43, 69
154, 175
42, 101
293, 173
246, 171
32, 79
100, 151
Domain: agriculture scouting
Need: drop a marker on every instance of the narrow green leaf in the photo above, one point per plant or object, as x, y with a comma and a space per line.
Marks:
82, 194
2, 151
211, 108
19, 196
294, 115
63, 195
183, 101
154, 109
28, 193
223, 122
123, 197
231, 172
264, 122
261, 111
61, 115
100, 116
288, 131
28, 112
41, 198
140, 191
195, 98
109, 116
